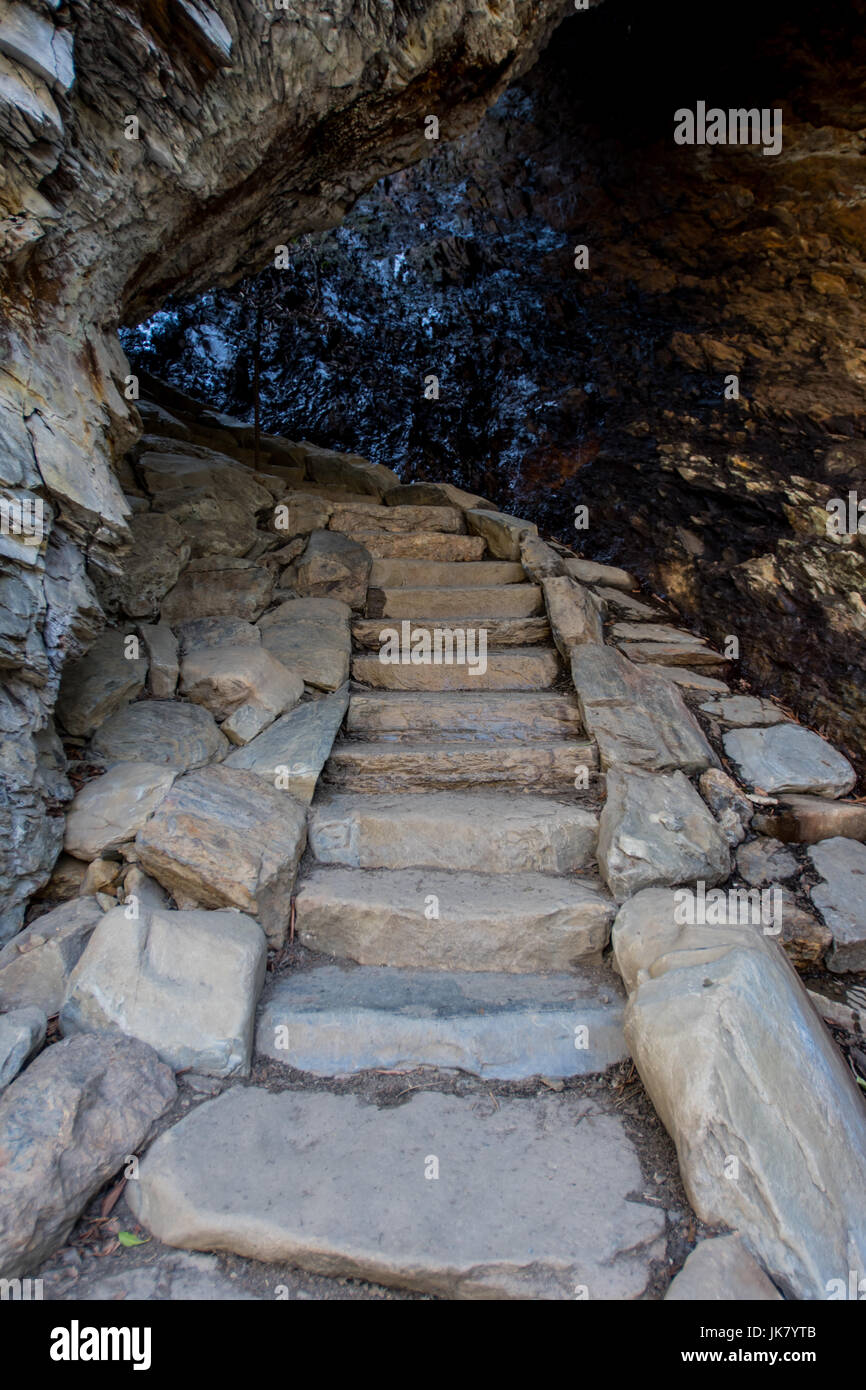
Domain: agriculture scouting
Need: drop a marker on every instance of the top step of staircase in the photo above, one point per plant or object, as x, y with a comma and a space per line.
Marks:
444, 574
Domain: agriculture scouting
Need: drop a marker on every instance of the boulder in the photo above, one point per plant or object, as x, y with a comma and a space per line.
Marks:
240, 680
150, 567
764, 861
36, 964
219, 586
502, 533
162, 731
203, 469
300, 513
655, 829
67, 1124
721, 1270
841, 899
334, 566
293, 751
588, 572
99, 683
21, 1032
574, 613
311, 636
223, 837
187, 983
435, 495
538, 559
788, 758
744, 710
217, 632
212, 525
160, 645
804, 820
348, 471
108, 811
731, 807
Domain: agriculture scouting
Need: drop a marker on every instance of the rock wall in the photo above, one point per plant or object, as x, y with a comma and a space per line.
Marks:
152, 148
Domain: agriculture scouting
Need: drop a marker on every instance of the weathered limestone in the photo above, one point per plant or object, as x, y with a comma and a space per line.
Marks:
423, 545
486, 832
804, 937
100, 683
108, 811
293, 751
783, 1164
616, 598
841, 899
531, 1200
151, 567
212, 524
731, 808
512, 922
637, 718
655, 829
588, 572
160, 645
506, 715
397, 520
502, 533
574, 613
744, 710
721, 1270
671, 654
501, 632
187, 983
162, 731
409, 574
375, 767
245, 686
434, 495
22, 1031
311, 636
66, 1126
348, 471
539, 561
655, 632
333, 566
805, 820
223, 838
332, 1021
217, 632
789, 758
512, 668
219, 585
496, 600
36, 964
764, 861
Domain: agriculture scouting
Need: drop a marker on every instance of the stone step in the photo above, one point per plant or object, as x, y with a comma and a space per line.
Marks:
501, 632
334, 1021
489, 832
482, 602
515, 668
500, 717
381, 767
443, 574
421, 545
528, 1198
436, 919
405, 520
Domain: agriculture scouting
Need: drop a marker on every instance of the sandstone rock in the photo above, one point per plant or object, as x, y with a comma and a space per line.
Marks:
66, 1126
217, 632
502, 533
506, 716
311, 636
531, 1201
162, 731
434, 495
672, 654
220, 586
539, 561
574, 613
293, 751
223, 838
187, 983
21, 1032
805, 820
160, 645
244, 682
423, 545
501, 632
333, 1021
789, 758
298, 514
470, 667
100, 878
617, 598
334, 566
211, 525
99, 683
146, 891
841, 899
348, 471
36, 964
108, 811
656, 632
637, 718
205, 471
721, 1271
349, 517
157, 420
804, 938
691, 680
65, 881
731, 808
765, 861
150, 568
742, 710
655, 829
784, 1165
588, 572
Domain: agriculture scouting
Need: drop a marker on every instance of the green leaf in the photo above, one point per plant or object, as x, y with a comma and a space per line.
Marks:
127, 1238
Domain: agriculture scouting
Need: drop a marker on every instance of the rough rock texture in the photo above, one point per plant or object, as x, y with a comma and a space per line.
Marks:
789, 758
293, 751
841, 899
311, 636
160, 731
252, 126
721, 1271
35, 967
530, 1200
21, 1032
109, 810
66, 1126
654, 828
99, 684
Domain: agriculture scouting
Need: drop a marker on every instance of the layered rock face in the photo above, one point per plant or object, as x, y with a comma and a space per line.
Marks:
607, 386
153, 149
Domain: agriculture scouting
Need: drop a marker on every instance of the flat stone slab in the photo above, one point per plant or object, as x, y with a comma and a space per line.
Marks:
398, 574
311, 636
574, 613
841, 899
407, 521
744, 710
501, 632
36, 964
721, 1271
764, 861
505, 716
434, 495
423, 545
512, 668
332, 1021
493, 599
487, 832
221, 585
691, 680
716, 1018
656, 632
625, 603
637, 718
588, 572
293, 751
502, 533
21, 1032
108, 810
99, 683
789, 758
805, 820
167, 732
513, 922
531, 1199
655, 829
438, 766
187, 983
